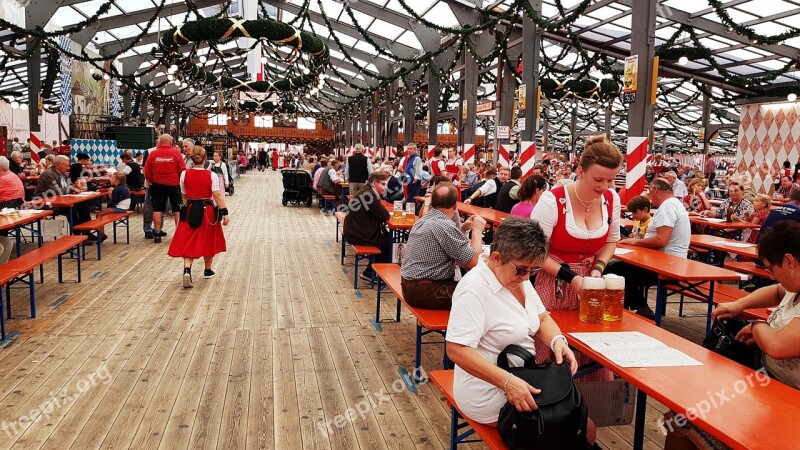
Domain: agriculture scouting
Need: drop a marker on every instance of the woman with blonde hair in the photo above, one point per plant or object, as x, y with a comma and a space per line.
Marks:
199, 232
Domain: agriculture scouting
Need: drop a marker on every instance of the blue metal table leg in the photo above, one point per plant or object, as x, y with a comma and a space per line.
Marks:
710, 306
638, 431
418, 353
661, 301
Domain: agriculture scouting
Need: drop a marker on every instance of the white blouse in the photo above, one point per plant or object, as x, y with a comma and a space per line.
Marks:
546, 213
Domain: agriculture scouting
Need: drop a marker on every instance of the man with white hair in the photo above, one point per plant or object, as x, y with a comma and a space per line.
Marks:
678, 186
186, 146
162, 173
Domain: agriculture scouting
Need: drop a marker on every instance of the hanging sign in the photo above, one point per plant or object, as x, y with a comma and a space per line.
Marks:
464, 110
503, 132
486, 105
631, 74
701, 134
521, 92
520, 124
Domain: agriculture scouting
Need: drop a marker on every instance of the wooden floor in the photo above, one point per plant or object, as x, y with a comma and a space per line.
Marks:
276, 352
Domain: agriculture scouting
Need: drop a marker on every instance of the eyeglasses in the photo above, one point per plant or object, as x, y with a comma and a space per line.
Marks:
769, 268
525, 272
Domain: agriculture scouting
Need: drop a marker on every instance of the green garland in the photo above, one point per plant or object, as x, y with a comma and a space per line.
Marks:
217, 29
749, 33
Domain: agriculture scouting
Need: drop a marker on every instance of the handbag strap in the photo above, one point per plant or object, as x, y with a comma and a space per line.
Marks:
527, 357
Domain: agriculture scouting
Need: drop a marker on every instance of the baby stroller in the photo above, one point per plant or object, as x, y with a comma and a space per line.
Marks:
297, 187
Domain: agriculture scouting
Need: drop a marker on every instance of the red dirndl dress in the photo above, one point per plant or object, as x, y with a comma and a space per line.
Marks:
207, 239
274, 160
579, 254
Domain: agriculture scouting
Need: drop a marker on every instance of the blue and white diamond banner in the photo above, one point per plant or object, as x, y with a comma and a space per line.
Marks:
101, 151
65, 76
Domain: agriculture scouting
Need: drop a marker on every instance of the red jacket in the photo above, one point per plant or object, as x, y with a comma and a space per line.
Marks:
164, 166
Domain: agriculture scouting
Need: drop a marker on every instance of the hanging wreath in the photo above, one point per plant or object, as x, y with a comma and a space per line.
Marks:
220, 29
586, 89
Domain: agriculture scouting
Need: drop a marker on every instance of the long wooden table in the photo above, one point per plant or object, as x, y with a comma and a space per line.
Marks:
66, 201
745, 409
724, 245
688, 276
27, 219
492, 216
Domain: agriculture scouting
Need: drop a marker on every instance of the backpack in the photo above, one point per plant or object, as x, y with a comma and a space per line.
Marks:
562, 416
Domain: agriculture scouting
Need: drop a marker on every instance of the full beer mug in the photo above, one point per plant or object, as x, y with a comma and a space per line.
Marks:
614, 300
591, 298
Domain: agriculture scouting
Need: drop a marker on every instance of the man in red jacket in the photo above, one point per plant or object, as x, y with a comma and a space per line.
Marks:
162, 172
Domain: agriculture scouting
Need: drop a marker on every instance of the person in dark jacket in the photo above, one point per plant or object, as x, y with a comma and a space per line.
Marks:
358, 169
507, 195
364, 223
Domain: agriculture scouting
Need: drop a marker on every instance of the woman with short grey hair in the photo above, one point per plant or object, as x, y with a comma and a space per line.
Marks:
17, 164
494, 306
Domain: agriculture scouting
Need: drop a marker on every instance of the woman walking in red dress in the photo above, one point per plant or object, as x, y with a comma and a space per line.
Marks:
199, 233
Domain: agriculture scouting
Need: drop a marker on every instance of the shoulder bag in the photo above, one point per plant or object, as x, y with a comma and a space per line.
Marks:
561, 418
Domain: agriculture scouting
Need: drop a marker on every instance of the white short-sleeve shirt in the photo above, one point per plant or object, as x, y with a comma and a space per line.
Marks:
787, 370
487, 317
672, 214
546, 214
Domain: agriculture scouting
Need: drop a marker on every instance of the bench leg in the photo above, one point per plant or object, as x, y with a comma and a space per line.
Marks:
343, 250
418, 354
8, 300
32, 292
99, 245
710, 303
115, 232
372, 278
60, 271
355, 273
397, 319
79, 261
128, 230
2, 319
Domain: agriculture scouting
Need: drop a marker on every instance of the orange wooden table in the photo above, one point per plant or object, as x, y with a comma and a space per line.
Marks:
30, 220
683, 275
724, 245
743, 409
66, 201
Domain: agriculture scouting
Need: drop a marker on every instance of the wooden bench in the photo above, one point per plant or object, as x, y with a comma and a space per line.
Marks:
367, 252
443, 379
748, 267
328, 200
5, 278
428, 320
95, 227
137, 198
25, 264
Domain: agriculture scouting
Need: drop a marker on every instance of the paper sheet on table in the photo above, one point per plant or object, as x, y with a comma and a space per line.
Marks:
85, 193
713, 219
651, 357
622, 251
634, 349
734, 244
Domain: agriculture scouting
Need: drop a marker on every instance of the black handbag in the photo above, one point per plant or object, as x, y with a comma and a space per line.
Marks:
722, 339
561, 418
193, 212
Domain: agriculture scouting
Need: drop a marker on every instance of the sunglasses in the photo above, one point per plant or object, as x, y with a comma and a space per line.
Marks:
525, 272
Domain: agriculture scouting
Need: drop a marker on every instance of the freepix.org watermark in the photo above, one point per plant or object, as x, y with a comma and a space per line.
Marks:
716, 399
371, 401
57, 401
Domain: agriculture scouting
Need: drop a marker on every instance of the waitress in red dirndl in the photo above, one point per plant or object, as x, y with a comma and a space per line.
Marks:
576, 247
200, 189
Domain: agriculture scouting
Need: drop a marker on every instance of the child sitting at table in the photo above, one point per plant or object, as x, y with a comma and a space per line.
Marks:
761, 207
639, 207
120, 196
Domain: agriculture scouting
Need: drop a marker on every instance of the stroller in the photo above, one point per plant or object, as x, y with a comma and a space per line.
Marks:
297, 187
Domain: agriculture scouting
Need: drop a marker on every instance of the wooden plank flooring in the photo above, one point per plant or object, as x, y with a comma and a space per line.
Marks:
275, 352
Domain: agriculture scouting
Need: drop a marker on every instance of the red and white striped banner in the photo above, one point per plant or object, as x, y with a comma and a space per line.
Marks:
503, 157
636, 165
36, 147
469, 153
527, 157
431, 149
393, 152
368, 152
